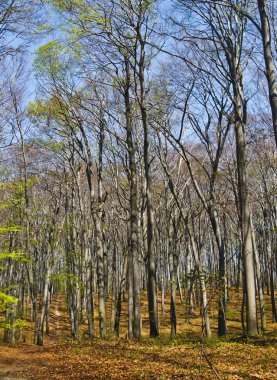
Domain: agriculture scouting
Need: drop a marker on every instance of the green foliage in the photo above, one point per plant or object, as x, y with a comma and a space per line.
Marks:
6, 229
76, 33
145, 6
14, 197
6, 300
93, 16
47, 58
86, 13
12, 206
17, 256
67, 278
81, 18
18, 324
54, 146
39, 112
44, 28
65, 5
52, 108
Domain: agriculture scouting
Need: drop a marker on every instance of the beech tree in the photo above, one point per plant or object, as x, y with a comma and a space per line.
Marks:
141, 168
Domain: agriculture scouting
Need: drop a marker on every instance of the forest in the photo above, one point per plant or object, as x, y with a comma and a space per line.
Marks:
138, 189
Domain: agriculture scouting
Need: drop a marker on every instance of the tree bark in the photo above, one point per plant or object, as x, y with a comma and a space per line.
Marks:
247, 248
269, 64
152, 297
134, 272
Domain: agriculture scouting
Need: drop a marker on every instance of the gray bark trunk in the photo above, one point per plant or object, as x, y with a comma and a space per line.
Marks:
270, 68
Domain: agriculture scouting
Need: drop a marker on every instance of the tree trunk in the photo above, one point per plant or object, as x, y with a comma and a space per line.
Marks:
134, 276
259, 281
152, 298
172, 270
247, 248
43, 308
269, 64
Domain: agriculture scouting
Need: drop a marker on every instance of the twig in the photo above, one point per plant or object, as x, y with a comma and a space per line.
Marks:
211, 365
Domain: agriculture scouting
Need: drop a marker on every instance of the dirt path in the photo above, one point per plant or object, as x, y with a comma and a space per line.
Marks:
7, 373
55, 321
12, 363
19, 362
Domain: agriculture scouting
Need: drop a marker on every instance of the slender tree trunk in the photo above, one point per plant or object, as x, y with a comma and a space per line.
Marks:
134, 277
247, 248
130, 295
204, 298
272, 293
259, 281
89, 286
47, 327
172, 270
269, 64
43, 308
114, 284
119, 297
152, 298
222, 271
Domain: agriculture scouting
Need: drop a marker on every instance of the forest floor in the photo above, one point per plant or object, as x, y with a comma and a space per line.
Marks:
187, 356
